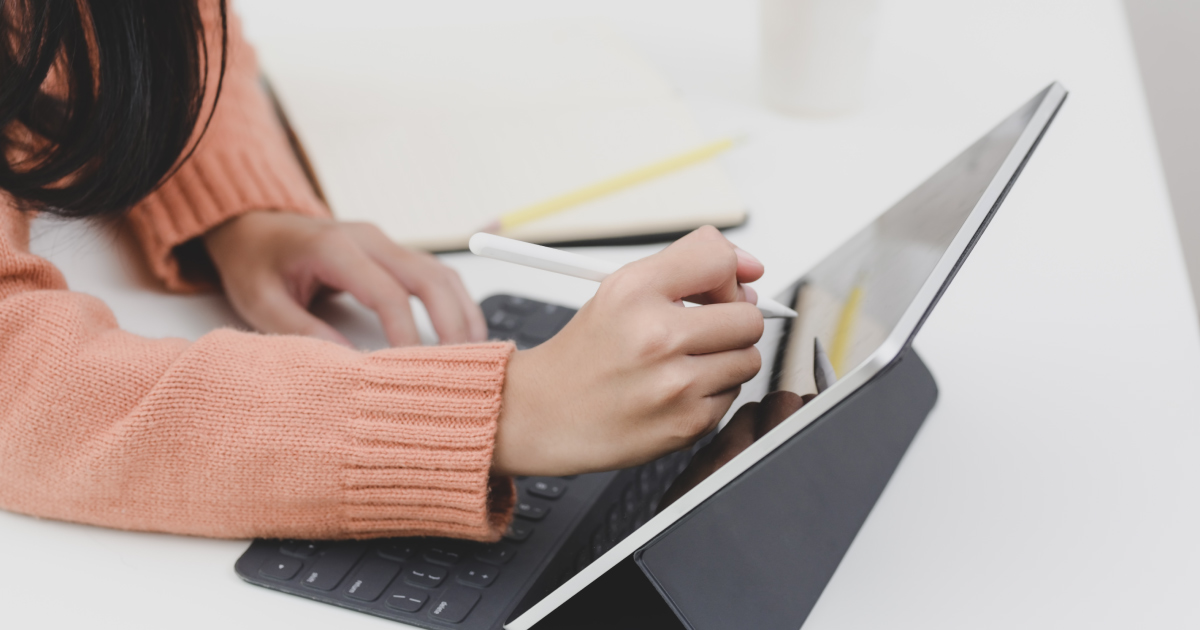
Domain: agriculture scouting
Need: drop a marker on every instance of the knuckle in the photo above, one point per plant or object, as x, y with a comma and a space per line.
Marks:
364, 227
329, 237
656, 339
752, 321
719, 264
692, 426
708, 232
619, 289
672, 385
421, 284
308, 329
726, 260
753, 361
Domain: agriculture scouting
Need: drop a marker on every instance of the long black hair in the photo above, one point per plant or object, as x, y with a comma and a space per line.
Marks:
129, 89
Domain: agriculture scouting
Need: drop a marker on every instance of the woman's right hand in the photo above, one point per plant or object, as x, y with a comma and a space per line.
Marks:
635, 374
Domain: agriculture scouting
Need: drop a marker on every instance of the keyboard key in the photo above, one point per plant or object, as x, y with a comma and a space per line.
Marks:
546, 488
370, 581
519, 305
583, 559
641, 518
300, 548
681, 465
448, 555
331, 567
543, 322
406, 599
282, 569
399, 549
503, 321
647, 482
518, 531
599, 541
497, 553
477, 574
454, 605
631, 500
425, 576
661, 466
614, 520
530, 510
653, 504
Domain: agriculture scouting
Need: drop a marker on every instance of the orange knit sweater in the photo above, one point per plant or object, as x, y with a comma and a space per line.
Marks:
237, 434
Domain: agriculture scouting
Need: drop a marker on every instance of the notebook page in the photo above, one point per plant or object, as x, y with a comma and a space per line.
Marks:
440, 132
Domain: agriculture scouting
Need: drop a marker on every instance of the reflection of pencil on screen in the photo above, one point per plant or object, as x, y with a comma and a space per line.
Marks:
599, 189
845, 327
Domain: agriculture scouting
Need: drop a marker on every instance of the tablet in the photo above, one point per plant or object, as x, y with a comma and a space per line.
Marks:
859, 307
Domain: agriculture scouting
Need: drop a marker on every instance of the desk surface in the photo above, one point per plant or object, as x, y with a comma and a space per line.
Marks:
1055, 483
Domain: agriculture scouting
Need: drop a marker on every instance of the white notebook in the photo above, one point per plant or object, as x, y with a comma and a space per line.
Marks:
434, 134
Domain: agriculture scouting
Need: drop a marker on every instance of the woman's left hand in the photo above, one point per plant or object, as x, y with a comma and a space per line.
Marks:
272, 265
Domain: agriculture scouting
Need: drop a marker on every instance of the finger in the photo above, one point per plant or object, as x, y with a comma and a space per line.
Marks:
476, 324
437, 286
477, 330
777, 407
749, 268
719, 327
721, 371
719, 404
736, 435
428, 280
732, 439
702, 263
349, 269
275, 310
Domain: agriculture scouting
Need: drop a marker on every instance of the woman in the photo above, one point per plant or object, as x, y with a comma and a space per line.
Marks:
149, 114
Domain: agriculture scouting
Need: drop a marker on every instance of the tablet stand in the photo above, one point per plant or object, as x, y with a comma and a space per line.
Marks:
759, 552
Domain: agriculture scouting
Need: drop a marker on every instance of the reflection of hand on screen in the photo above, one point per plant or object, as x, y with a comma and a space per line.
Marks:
750, 422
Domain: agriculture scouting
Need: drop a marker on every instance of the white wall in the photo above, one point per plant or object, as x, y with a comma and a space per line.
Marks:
1165, 34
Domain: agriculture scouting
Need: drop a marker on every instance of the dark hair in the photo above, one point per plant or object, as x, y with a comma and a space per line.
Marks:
110, 130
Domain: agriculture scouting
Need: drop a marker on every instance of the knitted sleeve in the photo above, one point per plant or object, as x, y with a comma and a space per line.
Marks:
237, 434
244, 162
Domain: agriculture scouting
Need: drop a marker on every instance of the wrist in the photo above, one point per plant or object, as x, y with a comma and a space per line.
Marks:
223, 234
524, 445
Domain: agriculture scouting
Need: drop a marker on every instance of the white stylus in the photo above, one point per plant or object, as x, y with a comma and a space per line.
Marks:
568, 264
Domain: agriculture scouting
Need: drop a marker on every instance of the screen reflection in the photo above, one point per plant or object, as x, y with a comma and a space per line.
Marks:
853, 299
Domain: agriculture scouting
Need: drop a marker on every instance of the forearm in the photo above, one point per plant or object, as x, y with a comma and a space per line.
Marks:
243, 163
242, 435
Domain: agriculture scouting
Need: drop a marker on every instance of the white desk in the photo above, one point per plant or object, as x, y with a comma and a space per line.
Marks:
1055, 484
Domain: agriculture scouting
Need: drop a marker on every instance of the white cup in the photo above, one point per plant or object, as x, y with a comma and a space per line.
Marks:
816, 54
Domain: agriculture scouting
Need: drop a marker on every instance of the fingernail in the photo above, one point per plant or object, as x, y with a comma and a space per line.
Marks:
751, 294
746, 256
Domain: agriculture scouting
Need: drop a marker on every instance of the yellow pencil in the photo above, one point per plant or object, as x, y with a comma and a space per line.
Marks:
599, 189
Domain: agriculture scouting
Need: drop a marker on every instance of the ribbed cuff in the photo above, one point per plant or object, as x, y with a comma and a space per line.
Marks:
212, 187
419, 445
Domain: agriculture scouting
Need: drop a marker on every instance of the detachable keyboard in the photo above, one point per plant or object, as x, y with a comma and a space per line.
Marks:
560, 526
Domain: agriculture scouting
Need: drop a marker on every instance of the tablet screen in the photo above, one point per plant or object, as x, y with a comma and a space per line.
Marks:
853, 299
851, 302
